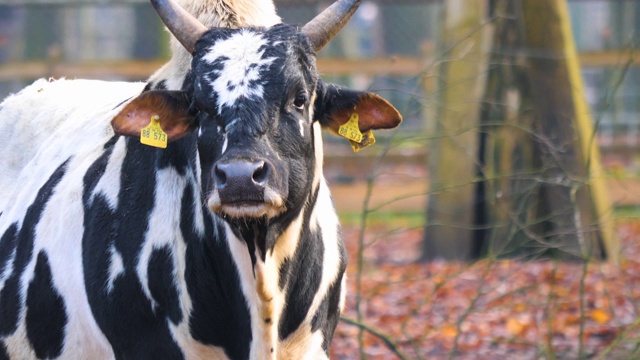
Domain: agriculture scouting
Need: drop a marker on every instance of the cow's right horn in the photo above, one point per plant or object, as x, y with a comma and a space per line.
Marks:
186, 28
326, 25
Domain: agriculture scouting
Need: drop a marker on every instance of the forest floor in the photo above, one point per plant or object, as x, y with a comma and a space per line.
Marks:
490, 309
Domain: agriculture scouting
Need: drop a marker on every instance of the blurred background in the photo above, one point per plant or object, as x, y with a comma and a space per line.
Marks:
518, 163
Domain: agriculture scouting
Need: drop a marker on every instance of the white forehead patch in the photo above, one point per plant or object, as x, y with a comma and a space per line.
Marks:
241, 66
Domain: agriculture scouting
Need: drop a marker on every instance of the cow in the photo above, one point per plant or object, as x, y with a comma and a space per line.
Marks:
195, 223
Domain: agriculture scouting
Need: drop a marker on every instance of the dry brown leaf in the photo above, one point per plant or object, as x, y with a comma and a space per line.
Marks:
600, 316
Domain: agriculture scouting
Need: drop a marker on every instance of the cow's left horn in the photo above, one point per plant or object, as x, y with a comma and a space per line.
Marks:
326, 25
186, 28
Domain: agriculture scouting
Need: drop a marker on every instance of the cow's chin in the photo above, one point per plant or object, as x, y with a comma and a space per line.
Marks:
272, 206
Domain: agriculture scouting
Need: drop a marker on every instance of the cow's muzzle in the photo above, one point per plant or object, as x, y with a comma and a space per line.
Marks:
243, 189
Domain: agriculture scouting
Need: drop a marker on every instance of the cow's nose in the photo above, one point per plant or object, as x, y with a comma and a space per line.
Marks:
241, 180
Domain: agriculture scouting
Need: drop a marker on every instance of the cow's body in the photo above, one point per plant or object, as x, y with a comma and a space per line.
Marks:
114, 249
118, 243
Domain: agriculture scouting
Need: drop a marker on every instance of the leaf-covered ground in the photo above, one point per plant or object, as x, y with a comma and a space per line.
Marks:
503, 309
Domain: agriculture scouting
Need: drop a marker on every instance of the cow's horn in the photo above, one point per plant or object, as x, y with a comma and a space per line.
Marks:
326, 25
186, 28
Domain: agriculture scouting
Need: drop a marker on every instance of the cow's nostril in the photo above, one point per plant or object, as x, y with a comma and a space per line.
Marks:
261, 173
220, 176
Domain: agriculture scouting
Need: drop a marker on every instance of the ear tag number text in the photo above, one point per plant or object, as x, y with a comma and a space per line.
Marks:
153, 135
350, 129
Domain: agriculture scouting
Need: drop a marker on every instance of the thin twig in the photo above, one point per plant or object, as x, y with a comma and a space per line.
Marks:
389, 343
550, 313
470, 308
604, 354
583, 276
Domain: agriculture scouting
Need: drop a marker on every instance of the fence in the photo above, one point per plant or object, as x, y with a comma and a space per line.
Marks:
388, 47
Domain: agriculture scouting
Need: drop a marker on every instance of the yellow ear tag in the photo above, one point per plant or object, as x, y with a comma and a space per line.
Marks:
350, 129
153, 135
367, 140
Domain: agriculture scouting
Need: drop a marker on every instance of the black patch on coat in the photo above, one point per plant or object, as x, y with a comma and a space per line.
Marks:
162, 85
179, 155
46, 315
4, 353
8, 243
162, 284
283, 273
304, 276
10, 300
220, 314
328, 313
125, 315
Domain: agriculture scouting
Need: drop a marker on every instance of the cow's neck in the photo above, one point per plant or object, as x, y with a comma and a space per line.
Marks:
264, 252
283, 265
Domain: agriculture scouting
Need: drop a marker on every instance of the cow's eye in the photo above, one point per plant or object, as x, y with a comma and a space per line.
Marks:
300, 101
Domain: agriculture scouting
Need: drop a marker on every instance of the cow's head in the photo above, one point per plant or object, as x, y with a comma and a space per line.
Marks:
256, 103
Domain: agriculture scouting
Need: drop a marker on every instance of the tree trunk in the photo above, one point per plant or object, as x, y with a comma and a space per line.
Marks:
453, 156
531, 152
573, 192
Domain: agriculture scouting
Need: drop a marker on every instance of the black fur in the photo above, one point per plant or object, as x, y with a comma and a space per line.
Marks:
220, 315
328, 314
304, 276
4, 355
46, 312
162, 284
8, 243
10, 296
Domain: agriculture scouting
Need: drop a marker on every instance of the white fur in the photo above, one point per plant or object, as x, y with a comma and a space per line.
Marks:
109, 185
42, 109
164, 221
116, 267
243, 64
225, 143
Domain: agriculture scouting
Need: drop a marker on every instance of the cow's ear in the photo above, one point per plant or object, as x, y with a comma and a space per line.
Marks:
335, 106
169, 108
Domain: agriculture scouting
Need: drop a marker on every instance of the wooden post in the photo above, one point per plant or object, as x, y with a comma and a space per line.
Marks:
453, 153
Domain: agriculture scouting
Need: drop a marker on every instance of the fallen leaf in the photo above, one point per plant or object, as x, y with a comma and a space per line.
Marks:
600, 316
515, 327
449, 330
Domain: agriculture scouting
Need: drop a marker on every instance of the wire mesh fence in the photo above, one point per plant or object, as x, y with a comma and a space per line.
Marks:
108, 39
393, 48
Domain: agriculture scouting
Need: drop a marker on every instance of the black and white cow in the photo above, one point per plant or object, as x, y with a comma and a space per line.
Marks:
225, 244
